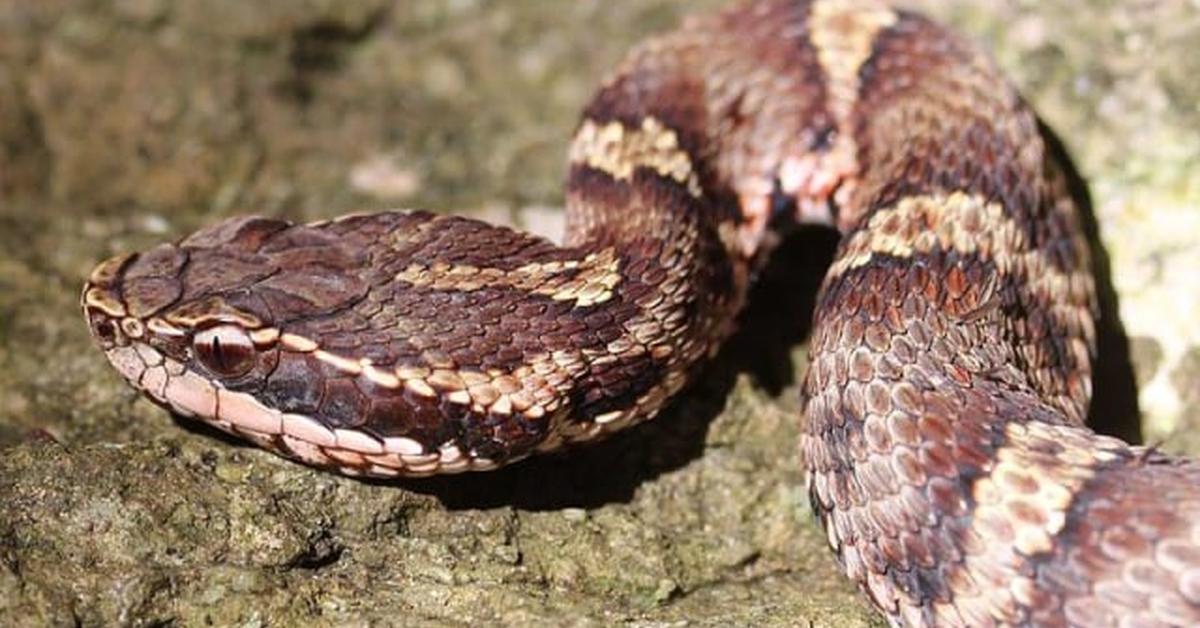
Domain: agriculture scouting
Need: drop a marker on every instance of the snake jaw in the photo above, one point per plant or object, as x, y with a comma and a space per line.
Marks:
224, 328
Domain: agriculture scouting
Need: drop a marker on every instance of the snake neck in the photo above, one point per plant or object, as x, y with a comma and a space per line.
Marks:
664, 172
678, 276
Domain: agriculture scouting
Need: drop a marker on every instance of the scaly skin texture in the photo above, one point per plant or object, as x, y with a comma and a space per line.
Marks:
951, 353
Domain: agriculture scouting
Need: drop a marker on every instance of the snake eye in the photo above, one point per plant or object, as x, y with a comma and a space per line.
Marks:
225, 350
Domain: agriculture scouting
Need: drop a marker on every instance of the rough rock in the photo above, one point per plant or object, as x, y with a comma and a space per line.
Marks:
128, 122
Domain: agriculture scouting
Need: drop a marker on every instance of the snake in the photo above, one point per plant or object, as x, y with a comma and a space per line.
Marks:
950, 357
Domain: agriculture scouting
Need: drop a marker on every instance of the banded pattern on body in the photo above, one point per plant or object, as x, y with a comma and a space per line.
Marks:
951, 353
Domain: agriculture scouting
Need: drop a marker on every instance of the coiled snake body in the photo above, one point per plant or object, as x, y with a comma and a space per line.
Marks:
951, 353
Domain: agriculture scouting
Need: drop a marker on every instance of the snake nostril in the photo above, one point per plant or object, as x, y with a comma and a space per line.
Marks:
105, 330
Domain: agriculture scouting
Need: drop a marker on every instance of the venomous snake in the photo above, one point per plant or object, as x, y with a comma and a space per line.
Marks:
950, 358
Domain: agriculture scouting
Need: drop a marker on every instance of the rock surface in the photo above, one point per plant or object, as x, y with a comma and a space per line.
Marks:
132, 121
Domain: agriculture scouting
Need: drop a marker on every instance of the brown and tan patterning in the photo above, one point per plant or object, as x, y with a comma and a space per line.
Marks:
951, 353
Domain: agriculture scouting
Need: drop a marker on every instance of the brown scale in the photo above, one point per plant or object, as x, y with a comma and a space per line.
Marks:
942, 440
950, 357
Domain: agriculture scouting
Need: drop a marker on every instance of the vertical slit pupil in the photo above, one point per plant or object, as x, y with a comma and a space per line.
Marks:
218, 354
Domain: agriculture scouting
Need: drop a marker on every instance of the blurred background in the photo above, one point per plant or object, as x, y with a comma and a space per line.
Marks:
127, 122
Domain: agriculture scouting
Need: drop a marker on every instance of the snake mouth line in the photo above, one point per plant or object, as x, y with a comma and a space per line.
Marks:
186, 393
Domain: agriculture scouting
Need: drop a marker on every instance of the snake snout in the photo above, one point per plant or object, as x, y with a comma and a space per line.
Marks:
103, 306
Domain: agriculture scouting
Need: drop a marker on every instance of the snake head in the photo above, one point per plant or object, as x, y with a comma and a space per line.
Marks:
195, 322
394, 343
190, 305
311, 341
